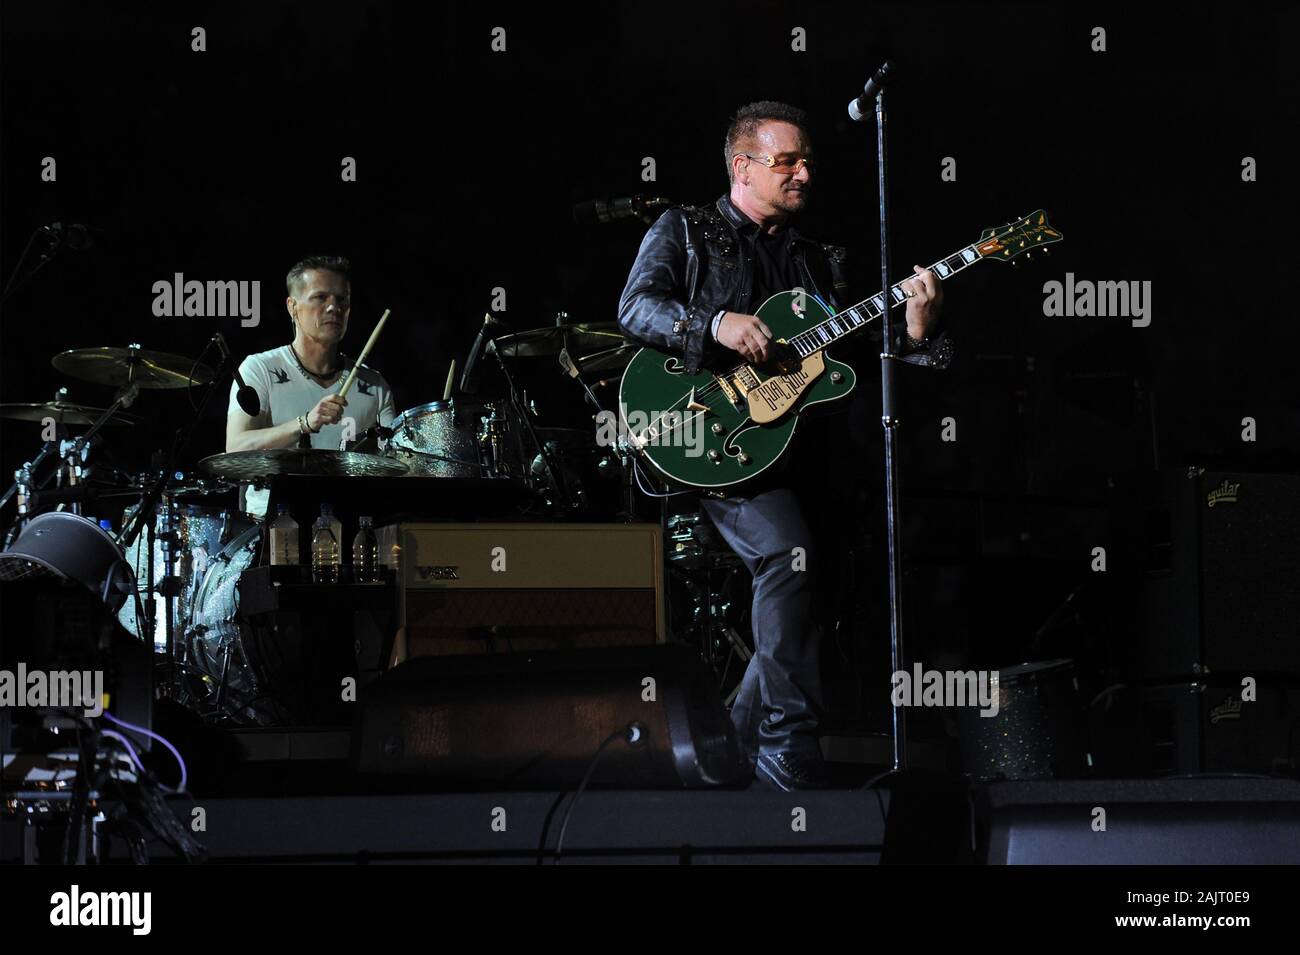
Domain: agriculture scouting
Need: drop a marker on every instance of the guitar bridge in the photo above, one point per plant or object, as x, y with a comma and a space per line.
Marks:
727, 390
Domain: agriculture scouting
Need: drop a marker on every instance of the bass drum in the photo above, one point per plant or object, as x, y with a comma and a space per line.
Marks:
221, 648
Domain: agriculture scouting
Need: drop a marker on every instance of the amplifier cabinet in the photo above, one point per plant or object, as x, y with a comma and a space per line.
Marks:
1222, 591
510, 588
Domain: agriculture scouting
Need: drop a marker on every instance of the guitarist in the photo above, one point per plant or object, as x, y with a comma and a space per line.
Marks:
699, 275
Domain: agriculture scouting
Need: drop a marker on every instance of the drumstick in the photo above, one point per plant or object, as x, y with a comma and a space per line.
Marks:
364, 352
451, 375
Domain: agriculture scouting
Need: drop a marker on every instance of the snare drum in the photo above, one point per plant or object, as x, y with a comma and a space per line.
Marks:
458, 438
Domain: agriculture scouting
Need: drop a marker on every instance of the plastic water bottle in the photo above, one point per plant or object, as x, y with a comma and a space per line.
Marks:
283, 538
336, 525
324, 552
365, 553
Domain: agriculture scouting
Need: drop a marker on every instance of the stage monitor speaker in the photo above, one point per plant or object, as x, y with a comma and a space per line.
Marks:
1200, 821
512, 588
540, 719
1222, 590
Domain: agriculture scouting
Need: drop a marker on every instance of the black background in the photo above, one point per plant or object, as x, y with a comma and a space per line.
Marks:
225, 165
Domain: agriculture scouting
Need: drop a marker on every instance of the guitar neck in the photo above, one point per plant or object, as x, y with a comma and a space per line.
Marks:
814, 339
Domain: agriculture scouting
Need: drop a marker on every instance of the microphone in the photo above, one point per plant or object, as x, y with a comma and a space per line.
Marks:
75, 236
246, 395
601, 211
860, 108
467, 376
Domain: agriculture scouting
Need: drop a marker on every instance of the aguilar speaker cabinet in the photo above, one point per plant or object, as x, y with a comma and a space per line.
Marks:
511, 588
541, 718
1222, 591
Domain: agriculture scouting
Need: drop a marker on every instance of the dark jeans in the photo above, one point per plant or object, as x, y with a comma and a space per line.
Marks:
781, 695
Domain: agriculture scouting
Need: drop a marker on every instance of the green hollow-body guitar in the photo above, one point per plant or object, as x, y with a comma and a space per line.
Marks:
727, 425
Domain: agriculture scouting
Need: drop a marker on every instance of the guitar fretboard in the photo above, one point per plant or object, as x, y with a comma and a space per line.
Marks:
817, 337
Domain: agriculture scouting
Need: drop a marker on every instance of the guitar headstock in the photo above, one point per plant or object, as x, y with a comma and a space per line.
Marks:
1017, 238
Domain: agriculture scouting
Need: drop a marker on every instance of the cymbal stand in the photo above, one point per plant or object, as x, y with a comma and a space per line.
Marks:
556, 478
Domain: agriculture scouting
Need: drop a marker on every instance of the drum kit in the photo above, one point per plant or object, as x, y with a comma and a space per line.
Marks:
170, 570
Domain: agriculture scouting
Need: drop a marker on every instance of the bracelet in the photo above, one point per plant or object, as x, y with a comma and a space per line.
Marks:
303, 426
917, 343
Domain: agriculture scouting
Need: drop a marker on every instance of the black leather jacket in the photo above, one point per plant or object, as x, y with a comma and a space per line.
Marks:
692, 264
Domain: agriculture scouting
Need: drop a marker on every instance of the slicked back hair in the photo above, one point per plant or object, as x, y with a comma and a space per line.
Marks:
330, 263
744, 125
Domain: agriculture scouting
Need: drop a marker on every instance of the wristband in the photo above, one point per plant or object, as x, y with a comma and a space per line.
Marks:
717, 320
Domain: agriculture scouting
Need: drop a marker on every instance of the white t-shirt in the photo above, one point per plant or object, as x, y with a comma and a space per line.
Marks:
286, 391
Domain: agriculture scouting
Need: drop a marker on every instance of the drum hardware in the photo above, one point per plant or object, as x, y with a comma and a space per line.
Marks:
68, 452
552, 471
369, 441
709, 571
575, 368
138, 368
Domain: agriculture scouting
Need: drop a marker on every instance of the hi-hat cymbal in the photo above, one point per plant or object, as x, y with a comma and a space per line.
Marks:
122, 366
255, 465
63, 412
544, 342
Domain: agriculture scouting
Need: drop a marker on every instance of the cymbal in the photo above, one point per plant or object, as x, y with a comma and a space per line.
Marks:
252, 465
611, 359
543, 342
122, 366
64, 412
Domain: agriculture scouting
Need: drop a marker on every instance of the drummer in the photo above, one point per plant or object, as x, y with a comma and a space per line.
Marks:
297, 384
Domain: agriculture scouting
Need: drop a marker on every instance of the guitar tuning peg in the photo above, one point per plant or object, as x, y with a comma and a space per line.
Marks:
1047, 251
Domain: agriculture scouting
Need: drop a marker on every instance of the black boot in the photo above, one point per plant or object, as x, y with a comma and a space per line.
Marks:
789, 771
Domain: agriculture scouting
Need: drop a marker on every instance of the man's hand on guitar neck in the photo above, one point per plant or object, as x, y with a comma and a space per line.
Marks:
924, 294
745, 334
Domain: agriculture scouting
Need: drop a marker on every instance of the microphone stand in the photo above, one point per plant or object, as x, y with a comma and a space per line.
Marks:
890, 421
